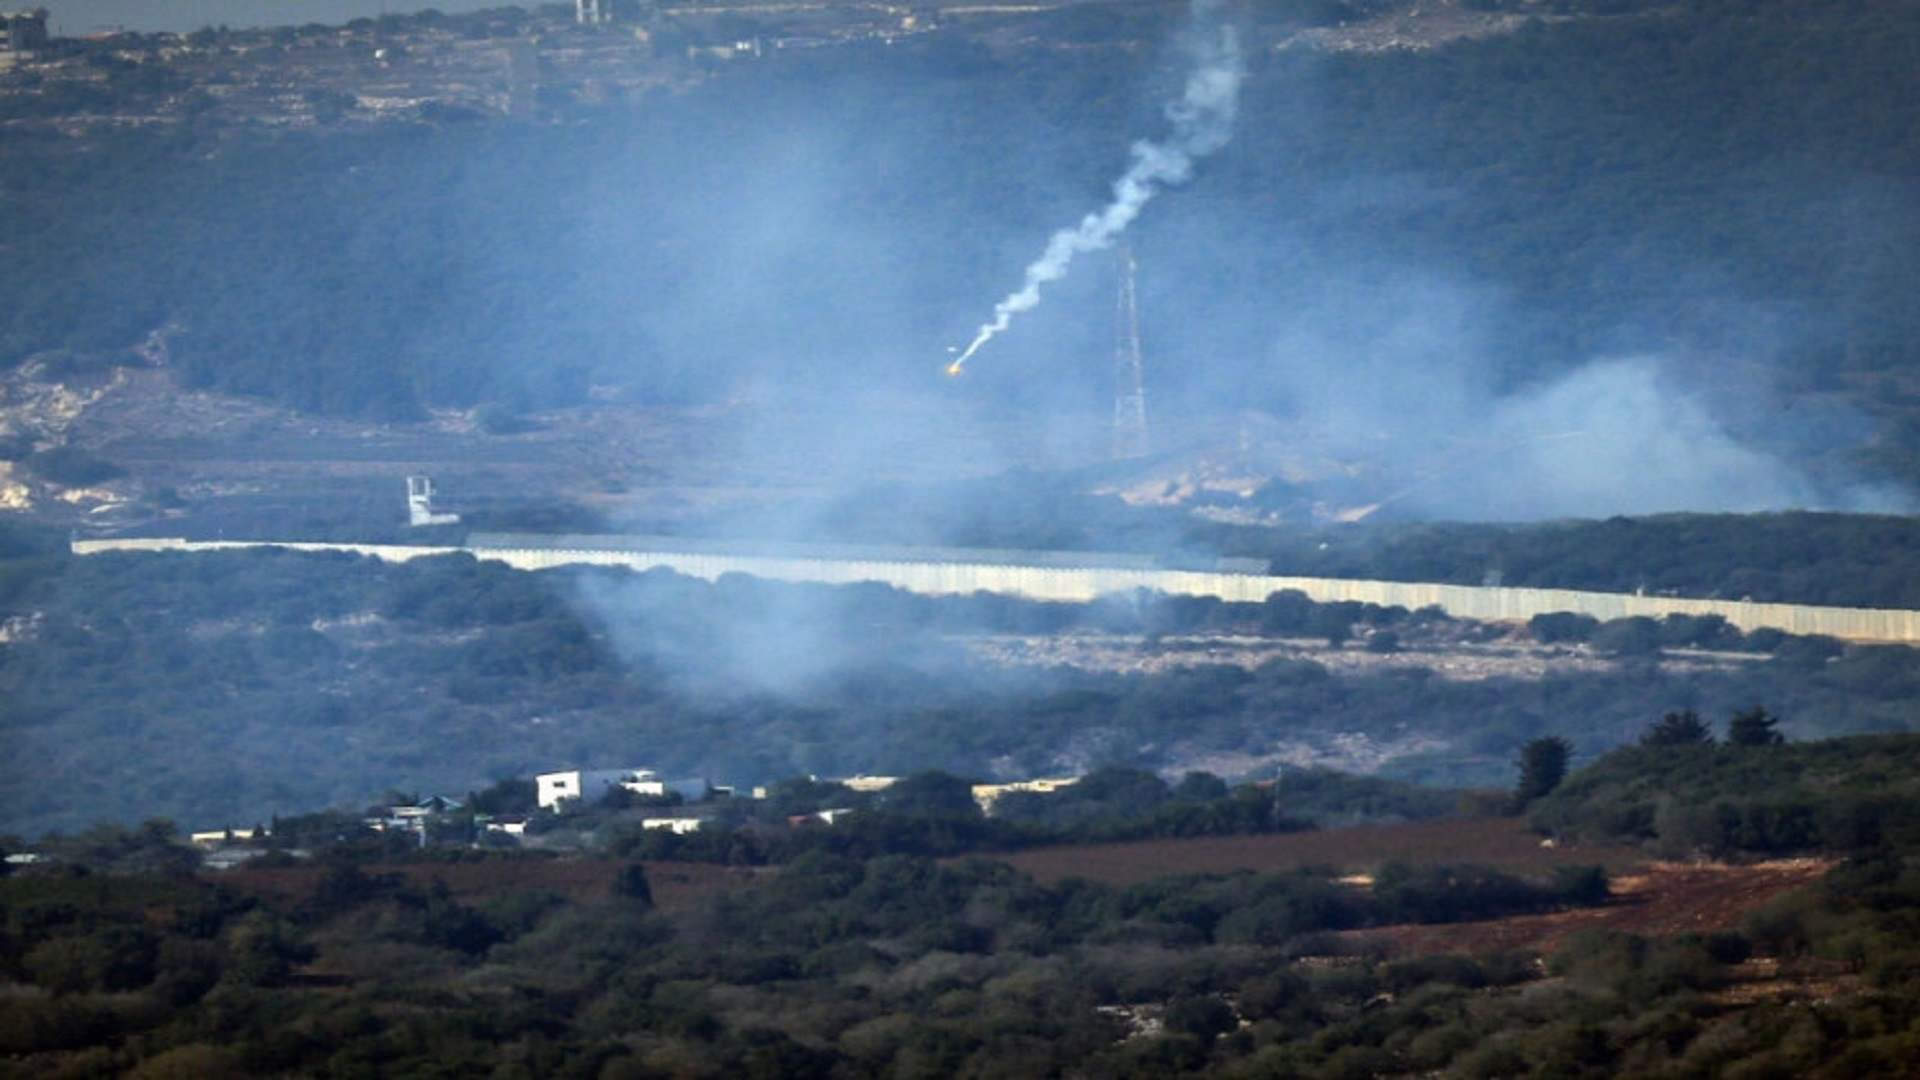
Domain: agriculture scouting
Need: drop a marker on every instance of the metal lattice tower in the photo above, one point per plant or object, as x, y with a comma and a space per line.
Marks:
1130, 392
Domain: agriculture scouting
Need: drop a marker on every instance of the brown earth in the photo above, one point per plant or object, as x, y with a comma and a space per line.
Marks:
1436, 649
1661, 900
1500, 842
1652, 898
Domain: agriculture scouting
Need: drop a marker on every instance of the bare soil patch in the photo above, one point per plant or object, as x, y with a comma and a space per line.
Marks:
1660, 900
1435, 651
1500, 842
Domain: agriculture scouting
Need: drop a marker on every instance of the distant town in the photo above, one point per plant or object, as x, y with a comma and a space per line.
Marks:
502, 62
622, 797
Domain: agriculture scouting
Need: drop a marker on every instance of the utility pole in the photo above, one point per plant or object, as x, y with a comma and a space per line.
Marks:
1130, 391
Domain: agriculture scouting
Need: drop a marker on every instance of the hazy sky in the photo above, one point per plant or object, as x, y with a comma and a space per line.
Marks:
87, 16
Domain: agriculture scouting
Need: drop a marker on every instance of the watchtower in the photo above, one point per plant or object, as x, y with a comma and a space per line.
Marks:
420, 504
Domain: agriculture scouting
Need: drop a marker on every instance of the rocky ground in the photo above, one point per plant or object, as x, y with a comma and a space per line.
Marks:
1444, 655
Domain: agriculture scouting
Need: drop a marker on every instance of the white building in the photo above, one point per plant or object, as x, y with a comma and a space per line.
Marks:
593, 784
678, 825
867, 783
420, 504
216, 837
988, 794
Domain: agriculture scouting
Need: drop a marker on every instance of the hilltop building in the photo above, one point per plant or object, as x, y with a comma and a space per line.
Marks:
420, 504
988, 794
593, 784
596, 12
22, 34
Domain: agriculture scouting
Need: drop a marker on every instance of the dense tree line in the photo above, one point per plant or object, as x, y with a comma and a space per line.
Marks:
935, 814
896, 964
170, 973
257, 682
1851, 560
1683, 792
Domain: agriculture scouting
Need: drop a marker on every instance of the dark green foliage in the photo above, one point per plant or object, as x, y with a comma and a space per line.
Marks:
1429, 894
1328, 797
1120, 804
1841, 794
1850, 560
71, 466
1581, 886
1560, 626
1754, 727
631, 885
900, 965
1202, 1016
221, 669
1699, 632
931, 794
1683, 728
1200, 787
1634, 636
1543, 764
112, 958
20, 539
513, 795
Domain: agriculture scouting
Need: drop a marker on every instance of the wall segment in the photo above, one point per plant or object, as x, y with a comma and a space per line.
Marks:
1081, 584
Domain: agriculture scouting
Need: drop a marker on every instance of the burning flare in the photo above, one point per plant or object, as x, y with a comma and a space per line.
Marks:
1202, 120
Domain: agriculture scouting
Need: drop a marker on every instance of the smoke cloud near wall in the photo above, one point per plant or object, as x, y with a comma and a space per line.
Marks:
1404, 373
788, 244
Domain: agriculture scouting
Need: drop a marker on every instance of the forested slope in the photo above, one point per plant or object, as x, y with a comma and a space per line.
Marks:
1804, 558
227, 687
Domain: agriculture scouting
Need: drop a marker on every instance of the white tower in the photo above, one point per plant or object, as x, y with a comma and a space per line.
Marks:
420, 504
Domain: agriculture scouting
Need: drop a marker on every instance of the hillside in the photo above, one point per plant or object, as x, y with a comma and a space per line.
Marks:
1849, 560
230, 686
835, 966
1721, 800
1726, 186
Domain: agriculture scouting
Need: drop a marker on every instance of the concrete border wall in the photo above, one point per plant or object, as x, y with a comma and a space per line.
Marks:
1086, 583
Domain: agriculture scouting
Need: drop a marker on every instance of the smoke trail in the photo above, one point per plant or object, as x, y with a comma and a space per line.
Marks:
1202, 120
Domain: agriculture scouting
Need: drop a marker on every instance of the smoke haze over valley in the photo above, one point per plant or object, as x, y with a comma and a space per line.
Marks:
1405, 304
699, 272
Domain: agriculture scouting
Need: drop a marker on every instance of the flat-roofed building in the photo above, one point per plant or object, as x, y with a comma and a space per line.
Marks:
23, 31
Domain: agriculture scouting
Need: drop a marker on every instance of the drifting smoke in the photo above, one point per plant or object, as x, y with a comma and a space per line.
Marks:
1202, 120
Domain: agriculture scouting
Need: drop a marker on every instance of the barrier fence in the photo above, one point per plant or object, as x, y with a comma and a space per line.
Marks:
1080, 584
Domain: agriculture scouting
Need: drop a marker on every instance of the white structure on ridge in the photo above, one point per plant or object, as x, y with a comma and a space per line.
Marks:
420, 504
593, 784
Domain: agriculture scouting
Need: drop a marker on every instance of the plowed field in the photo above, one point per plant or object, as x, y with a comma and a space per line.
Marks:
1664, 898
1501, 842
1650, 897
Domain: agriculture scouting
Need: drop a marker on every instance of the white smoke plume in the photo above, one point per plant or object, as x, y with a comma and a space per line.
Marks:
1202, 119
